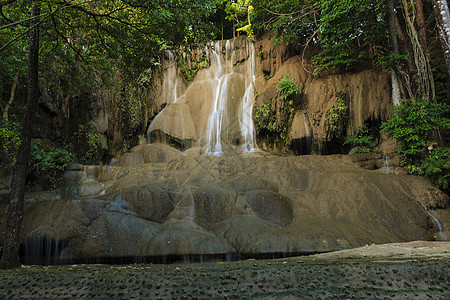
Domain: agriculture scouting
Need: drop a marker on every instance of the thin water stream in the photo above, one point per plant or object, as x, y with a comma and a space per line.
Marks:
439, 225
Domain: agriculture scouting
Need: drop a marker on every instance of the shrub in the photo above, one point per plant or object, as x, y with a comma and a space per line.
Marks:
9, 137
360, 140
412, 123
336, 118
87, 141
287, 88
436, 167
47, 161
266, 118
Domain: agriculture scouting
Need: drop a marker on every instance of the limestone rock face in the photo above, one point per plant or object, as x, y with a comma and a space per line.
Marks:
212, 108
190, 105
368, 90
254, 204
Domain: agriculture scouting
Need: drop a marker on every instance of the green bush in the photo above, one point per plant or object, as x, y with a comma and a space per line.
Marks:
360, 140
412, 123
287, 88
47, 161
336, 118
266, 118
9, 137
87, 143
437, 167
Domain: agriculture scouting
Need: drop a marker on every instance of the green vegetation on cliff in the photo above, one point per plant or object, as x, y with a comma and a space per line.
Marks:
275, 119
56, 54
415, 124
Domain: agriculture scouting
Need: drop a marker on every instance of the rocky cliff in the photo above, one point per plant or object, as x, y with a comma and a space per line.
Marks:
158, 202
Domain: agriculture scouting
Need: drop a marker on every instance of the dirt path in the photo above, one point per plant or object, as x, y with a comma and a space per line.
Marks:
349, 274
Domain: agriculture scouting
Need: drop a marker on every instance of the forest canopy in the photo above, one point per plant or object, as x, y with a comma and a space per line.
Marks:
62, 49
130, 35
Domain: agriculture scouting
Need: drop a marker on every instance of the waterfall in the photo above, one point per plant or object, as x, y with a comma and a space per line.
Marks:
246, 108
216, 143
213, 112
439, 225
214, 128
386, 163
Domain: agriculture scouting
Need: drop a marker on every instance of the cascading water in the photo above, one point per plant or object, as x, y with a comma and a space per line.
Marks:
216, 143
213, 111
386, 163
246, 120
439, 225
214, 128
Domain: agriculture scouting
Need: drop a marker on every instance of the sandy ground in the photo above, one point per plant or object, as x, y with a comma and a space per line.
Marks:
416, 270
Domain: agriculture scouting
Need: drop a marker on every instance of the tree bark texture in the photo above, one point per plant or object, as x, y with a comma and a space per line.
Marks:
11, 98
395, 71
11, 245
421, 23
425, 79
441, 11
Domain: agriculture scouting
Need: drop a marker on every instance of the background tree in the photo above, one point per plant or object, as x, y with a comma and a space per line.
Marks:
10, 257
442, 14
126, 34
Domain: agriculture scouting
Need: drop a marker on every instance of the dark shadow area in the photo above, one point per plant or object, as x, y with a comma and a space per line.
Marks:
42, 251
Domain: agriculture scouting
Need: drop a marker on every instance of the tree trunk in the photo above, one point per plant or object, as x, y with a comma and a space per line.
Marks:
11, 245
442, 14
11, 98
404, 45
425, 79
421, 23
395, 70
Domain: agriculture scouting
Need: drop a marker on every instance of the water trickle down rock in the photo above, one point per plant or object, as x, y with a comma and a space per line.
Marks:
214, 111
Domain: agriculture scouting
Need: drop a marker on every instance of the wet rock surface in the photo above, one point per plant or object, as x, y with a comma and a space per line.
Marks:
251, 205
290, 278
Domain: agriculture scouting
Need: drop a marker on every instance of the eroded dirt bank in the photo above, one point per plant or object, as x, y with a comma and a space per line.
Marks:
417, 270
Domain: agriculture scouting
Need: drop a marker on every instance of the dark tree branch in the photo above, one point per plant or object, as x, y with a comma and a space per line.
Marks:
33, 24
55, 26
3, 15
6, 2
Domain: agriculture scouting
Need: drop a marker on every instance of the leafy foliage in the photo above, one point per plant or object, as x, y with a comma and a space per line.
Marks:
47, 161
87, 141
287, 88
240, 11
346, 29
360, 140
266, 119
9, 136
190, 72
336, 118
437, 167
290, 21
412, 124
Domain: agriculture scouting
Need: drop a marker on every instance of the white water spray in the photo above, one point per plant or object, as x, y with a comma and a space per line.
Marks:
215, 128
246, 108
214, 111
439, 225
